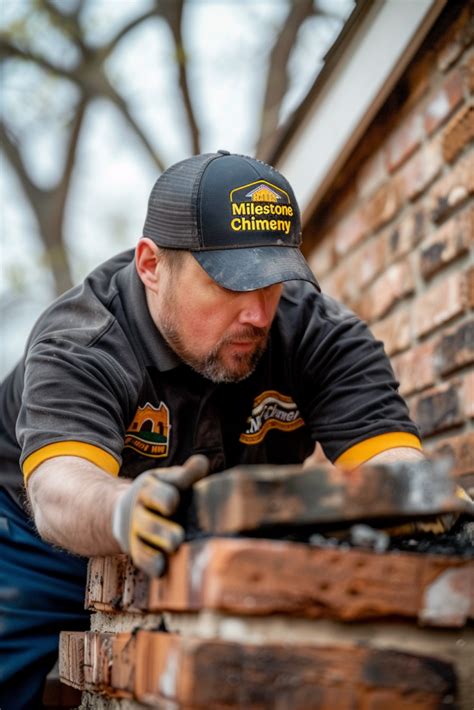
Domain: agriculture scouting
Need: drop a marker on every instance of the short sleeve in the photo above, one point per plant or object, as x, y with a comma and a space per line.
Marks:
74, 403
346, 389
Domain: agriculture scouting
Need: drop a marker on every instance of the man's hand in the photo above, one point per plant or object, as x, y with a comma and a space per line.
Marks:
140, 520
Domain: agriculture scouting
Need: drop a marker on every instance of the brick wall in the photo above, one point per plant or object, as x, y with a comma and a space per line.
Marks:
394, 238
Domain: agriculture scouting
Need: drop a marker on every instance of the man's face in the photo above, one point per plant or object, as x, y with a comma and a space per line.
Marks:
220, 333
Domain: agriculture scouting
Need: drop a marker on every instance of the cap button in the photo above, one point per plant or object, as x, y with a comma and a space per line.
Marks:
224, 152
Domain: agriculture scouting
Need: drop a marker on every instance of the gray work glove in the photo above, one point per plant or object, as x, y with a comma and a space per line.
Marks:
140, 521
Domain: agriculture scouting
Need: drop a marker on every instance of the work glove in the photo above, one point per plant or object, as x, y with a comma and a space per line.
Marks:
140, 520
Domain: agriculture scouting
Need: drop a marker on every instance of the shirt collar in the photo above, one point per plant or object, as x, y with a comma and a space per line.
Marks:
144, 334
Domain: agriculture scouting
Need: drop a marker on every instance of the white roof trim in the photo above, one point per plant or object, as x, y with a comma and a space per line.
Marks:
371, 63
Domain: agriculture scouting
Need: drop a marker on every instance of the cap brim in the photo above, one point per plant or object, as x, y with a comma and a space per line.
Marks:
256, 267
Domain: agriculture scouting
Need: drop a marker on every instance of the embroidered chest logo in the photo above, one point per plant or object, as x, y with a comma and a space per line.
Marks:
149, 432
261, 206
271, 410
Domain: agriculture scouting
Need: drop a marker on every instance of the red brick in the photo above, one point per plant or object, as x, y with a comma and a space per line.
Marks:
456, 37
395, 283
404, 141
71, 658
439, 409
369, 261
322, 258
460, 450
105, 582
452, 189
405, 235
458, 133
468, 73
208, 673
455, 348
414, 177
349, 232
394, 331
253, 577
414, 369
97, 660
381, 207
447, 243
448, 54
445, 100
470, 287
468, 394
371, 175
440, 304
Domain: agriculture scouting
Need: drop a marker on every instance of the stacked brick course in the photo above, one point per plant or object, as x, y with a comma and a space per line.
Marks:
394, 238
252, 622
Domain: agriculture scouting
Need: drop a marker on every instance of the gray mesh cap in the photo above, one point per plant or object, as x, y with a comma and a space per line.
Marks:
236, 215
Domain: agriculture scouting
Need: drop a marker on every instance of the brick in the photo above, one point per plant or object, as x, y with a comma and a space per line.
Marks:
455, 39
468, 394
420, 171
447, 98
455, 348
369, 261
448, 54
414, 369
470, 287
322, 258
262, 497
208, 673
371, 175
349, 232
395, 283
394, 331
405, 235
381, 207
97, 660
452, 189
440, 303
404, 141
449, 242
105, 582
460, 451
71, 658
253, 577
468, 73
458, 133
439, 409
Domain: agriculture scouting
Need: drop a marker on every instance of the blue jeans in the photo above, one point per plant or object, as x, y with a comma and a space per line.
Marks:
41, 593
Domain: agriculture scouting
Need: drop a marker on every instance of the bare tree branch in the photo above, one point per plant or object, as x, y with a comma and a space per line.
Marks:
109, 48
174, 15
10, 51
34, 193
120, 103
66, 22
277, 77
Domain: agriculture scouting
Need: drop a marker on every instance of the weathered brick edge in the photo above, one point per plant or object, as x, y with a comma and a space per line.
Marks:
259, 577
153, 666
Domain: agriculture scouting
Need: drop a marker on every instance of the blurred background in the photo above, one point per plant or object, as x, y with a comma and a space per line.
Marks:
100, 96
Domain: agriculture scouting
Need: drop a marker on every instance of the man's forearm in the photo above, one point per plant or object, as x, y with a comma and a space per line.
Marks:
72, 502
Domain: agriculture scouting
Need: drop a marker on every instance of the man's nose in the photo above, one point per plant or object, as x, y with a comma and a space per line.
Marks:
256, 308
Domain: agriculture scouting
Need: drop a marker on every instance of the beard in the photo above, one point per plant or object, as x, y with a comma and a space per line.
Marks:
212, 365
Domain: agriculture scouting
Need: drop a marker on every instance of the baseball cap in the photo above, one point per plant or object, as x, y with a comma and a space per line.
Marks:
237, 216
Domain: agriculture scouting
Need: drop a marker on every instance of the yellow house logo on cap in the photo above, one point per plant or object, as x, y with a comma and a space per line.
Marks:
263, 208
149, 431
263, 193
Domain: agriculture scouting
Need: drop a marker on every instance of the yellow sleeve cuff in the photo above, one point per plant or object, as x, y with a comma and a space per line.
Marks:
92, 453
365, 450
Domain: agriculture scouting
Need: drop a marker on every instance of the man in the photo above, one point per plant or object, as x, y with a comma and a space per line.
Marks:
211, 346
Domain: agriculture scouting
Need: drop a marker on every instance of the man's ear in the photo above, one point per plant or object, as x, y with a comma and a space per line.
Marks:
147, 260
